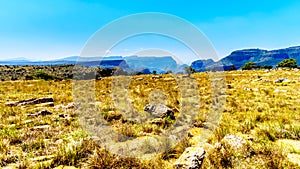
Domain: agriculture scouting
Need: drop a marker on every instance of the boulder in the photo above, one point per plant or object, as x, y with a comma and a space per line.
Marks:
156, 77
159, 111
233, 141
43, 127
282, 80
68, 106
32, 101
280, 91
63, 116
192, 158
40, 113
48, 104
158, 121
169, 79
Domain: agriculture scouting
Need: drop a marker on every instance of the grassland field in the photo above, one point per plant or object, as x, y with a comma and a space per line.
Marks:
256, 107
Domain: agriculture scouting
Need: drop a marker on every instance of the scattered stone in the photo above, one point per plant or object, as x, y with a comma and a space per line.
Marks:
159, 110
44, 127
112, 115
63, 115
95, 138
259, 78
280, 91
141, 133
282, 80
229, 86
59, 141
173, 137
60, 106
30, 101
140, 78
156, 77
42, 158
247, 89
11, 126
248, 137
49, 104
158, 121
199, 124
68, 106
234, 141
27, 121
192, 158
71, 105
40, 113
250, 89
168, 79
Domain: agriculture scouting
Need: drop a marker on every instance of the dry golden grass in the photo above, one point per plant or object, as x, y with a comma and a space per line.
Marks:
262, 109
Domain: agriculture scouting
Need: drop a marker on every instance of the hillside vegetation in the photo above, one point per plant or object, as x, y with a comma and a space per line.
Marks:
264, 113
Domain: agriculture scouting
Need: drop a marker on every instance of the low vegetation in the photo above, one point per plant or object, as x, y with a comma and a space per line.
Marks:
256, 107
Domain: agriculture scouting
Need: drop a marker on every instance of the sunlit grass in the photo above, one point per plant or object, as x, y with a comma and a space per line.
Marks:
264, 110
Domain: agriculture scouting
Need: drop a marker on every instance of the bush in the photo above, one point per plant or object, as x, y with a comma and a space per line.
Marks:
232, 67
189, 70
249, 66
289, 63
43, 75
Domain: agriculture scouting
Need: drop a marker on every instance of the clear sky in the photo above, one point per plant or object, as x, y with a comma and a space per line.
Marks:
48, 29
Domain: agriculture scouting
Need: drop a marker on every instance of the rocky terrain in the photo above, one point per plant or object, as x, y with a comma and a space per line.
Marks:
40, 123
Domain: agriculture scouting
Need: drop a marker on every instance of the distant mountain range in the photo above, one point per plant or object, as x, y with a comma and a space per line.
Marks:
239, 57
166, 63
145, 64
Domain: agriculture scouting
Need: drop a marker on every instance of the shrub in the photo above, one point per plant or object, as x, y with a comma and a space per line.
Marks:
43, 75
290, 63
249, 66
232, 67
189, 70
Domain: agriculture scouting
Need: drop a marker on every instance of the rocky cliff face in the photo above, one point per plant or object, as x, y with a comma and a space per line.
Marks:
200, 65
159, 64
261, 57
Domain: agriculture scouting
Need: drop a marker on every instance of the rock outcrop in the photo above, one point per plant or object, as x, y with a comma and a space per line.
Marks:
239, 57
40, 113
159, 111
192, 158
32, 101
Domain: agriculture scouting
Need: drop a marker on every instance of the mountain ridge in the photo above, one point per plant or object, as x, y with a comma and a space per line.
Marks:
239, 57
162, 64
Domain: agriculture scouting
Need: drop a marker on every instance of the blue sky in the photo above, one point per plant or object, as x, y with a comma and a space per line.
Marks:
40, 29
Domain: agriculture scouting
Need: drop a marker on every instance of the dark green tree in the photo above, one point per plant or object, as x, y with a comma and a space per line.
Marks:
189, 70
289, 63
249, 66
43, 75
232, 67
